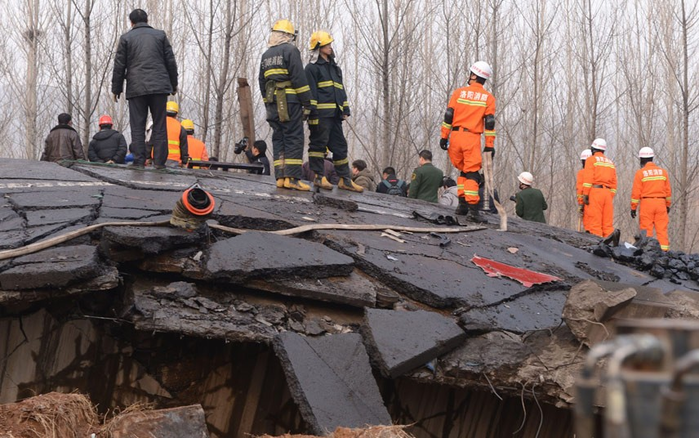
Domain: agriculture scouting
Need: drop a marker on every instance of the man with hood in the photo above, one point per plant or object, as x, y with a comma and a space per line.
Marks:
287, 99
63, 143
325, 79
108, 145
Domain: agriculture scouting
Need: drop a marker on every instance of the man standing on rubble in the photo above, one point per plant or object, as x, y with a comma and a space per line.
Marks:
599, 189
144, 57
325, 79
651, 189
584, 155
287, 98
470, 113
530, 201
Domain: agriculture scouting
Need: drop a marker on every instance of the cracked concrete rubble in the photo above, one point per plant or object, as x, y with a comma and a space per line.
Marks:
496, 334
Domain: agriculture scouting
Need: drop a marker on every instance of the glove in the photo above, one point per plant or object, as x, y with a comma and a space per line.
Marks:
174, 91
586, 200
444, 143
513, 199
306, 113
489, 149
633, 214
668, 210
116, 96
581, 209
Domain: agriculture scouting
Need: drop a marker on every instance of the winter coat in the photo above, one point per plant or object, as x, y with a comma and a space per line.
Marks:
108, 144
63, 143
365, 179
325, 80
282, 63
531, 205
262, 159
449, 196
144, 57
392, 182
425, 182
330, 172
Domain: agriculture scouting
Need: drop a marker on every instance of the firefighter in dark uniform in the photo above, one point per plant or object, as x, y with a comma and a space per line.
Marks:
325, 79
287, 99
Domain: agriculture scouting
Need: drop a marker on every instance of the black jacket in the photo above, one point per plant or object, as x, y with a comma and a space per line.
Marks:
108, 144
145, 59
262, 158
325, 80
392, 180
283, 63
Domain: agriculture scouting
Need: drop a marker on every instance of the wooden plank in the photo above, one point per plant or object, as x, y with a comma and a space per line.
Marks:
247, 115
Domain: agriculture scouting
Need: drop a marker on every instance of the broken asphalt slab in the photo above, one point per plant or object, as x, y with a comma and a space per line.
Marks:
534, 311
400, 341
270, 256
330, 380
150, 240
54, 267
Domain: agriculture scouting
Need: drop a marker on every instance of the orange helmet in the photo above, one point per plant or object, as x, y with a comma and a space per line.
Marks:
105, 120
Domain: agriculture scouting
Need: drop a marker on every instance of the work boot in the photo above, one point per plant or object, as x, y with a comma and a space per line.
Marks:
462, 209
474, 215
296, 184
323, 183
348, 184
280, 183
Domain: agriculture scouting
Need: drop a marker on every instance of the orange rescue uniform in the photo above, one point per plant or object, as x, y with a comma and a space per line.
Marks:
599, 185
197, 149
651, 188
579, 193
470, 105
176, 140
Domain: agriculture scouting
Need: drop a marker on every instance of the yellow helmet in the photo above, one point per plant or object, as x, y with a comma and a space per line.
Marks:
172, 107
284, 26
320, 38
188, 125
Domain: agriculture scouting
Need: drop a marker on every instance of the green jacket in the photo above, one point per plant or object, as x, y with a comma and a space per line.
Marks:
531, 205
425, 182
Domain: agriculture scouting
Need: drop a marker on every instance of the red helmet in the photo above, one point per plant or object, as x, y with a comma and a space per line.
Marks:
105, 120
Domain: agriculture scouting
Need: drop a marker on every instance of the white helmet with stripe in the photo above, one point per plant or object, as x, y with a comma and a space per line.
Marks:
600, 144
526, 178
482, 70
585, 154
646, 152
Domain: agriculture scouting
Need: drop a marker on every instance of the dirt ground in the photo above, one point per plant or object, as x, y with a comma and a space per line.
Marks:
370, 432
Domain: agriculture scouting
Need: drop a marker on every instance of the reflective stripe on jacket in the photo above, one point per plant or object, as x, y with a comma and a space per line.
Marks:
651, 181
283, 63
471, 104
599, 171
327, 88
177, 149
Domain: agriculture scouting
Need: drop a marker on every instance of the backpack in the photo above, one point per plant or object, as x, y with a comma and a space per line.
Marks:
395, 189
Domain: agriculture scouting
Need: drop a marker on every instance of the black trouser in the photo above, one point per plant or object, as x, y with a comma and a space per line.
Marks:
328, 134
287, 141
138, 113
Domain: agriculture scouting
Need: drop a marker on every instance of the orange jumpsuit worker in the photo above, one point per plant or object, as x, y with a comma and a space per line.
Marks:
599, 188
651, 188
584, 155
196, 148
470, 113
177, 147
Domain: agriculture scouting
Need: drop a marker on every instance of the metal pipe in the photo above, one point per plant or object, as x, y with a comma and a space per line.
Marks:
642, 347
674, 397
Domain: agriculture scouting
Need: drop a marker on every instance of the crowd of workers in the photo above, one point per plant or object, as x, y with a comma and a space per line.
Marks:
294, 94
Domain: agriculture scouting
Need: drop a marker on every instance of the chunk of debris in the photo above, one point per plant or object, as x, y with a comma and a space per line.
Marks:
182, 422
270, 256
369, 432
49, 415
534, 311
54, 267
150, 240
331, 201
400, 341
330, 380
525, 276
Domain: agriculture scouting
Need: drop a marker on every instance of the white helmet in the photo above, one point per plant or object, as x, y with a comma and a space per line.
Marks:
584, 155
646, 152
482, 70
599, 144
526, 178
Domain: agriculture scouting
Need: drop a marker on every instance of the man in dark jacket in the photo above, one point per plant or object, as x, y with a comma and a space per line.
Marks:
391, 185
426, 179
258, 154
108, 145
63, 143
530, 201
144, 57
287, 99
325, 79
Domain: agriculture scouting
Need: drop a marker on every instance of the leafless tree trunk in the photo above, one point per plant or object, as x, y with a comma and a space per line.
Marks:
31, 34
